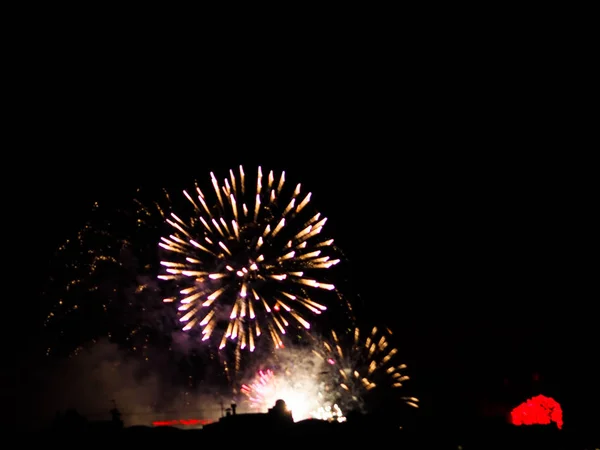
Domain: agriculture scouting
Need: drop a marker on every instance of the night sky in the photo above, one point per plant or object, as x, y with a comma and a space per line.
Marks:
466, 228
477, 267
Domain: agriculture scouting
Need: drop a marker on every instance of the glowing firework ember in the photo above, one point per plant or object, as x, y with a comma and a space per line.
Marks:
358, 363
301, 395
99, 276
246, 259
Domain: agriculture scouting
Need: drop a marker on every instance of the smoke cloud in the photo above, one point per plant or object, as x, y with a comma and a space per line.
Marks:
104, 376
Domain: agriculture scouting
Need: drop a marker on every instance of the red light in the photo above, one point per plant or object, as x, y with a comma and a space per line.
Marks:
540, 410
185, 422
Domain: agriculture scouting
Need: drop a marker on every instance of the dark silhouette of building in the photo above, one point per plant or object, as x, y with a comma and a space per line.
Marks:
72, 422
278, 421
280, 412
279, 417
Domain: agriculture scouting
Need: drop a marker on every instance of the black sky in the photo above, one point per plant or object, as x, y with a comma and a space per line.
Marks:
458, 201
478, 264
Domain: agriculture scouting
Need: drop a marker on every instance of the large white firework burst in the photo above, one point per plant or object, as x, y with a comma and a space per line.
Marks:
250, 259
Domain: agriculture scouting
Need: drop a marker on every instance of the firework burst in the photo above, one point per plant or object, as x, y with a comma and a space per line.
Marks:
358, 362
249, 260
301, 394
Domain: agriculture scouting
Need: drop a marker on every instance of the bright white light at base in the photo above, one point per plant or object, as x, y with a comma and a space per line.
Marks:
304, 406
297, 402
329, 413
301, 396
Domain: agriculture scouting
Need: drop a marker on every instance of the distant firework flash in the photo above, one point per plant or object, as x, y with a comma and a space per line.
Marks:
359, 362
250, 260
301, 395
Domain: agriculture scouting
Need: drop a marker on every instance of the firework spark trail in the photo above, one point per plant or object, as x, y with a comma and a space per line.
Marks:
301, 395
246, 260
359, 361
94, 278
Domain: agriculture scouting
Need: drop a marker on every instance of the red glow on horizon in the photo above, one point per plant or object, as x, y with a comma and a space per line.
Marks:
186, 422
540, 410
